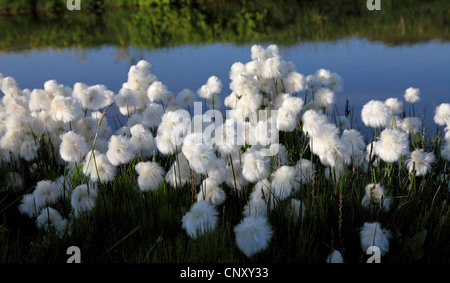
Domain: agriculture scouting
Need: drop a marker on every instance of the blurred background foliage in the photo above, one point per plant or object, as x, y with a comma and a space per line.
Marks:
34, 24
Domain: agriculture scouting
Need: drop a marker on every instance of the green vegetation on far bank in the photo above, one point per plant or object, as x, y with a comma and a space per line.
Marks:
240, 22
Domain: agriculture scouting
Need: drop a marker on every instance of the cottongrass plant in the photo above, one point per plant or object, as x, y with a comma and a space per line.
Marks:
281, 178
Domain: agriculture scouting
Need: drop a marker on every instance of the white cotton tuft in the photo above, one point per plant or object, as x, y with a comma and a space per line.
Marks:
253, 235
150, 175
375, 195
201, 218
255, 167
442, 115
65, 109
73, 147
83, 199
284, 182
313, 123
51, 220
371, 234
376, 114
420, 161
120, 150
412, 95
97, 166
392, 145
211, 192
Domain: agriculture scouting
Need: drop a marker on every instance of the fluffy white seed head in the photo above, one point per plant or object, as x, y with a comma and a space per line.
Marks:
253, 235
201, 218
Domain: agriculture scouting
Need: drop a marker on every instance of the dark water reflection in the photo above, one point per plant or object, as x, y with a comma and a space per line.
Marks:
378, 55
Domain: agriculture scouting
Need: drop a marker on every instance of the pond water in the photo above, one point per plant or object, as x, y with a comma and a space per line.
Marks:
370, 68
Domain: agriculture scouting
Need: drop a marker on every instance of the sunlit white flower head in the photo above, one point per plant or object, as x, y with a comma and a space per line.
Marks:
313, 122
311, 82
329, 147
127, 101
157, 91
28, 206
94, 97
272, 68
225, 139
254, 68
335, 82
199, 151
286, 120
237, 69
284, 182
98, 167
257, 53
65, 109
142, 140
165, 144
83, 199
151, 117
56, 89
39, 99
180, 173
371, 234
186, 98
294, 104
211, 192
212, 86
201, 218
217, 169
140, 77
447, 134
335, 257
395, 105
376, 114
324, 98
253, 235
322, 76
412, 95
73, 147
392, 145
294, 83
442, 115
354, 141
120, 150
272, 51
51, 220
261, 191
375, 195
150, 175
78, 90
10, 87
46, 193
411, 125
420, 161
255, 167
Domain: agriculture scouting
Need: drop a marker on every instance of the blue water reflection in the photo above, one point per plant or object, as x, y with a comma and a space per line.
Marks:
371, 70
